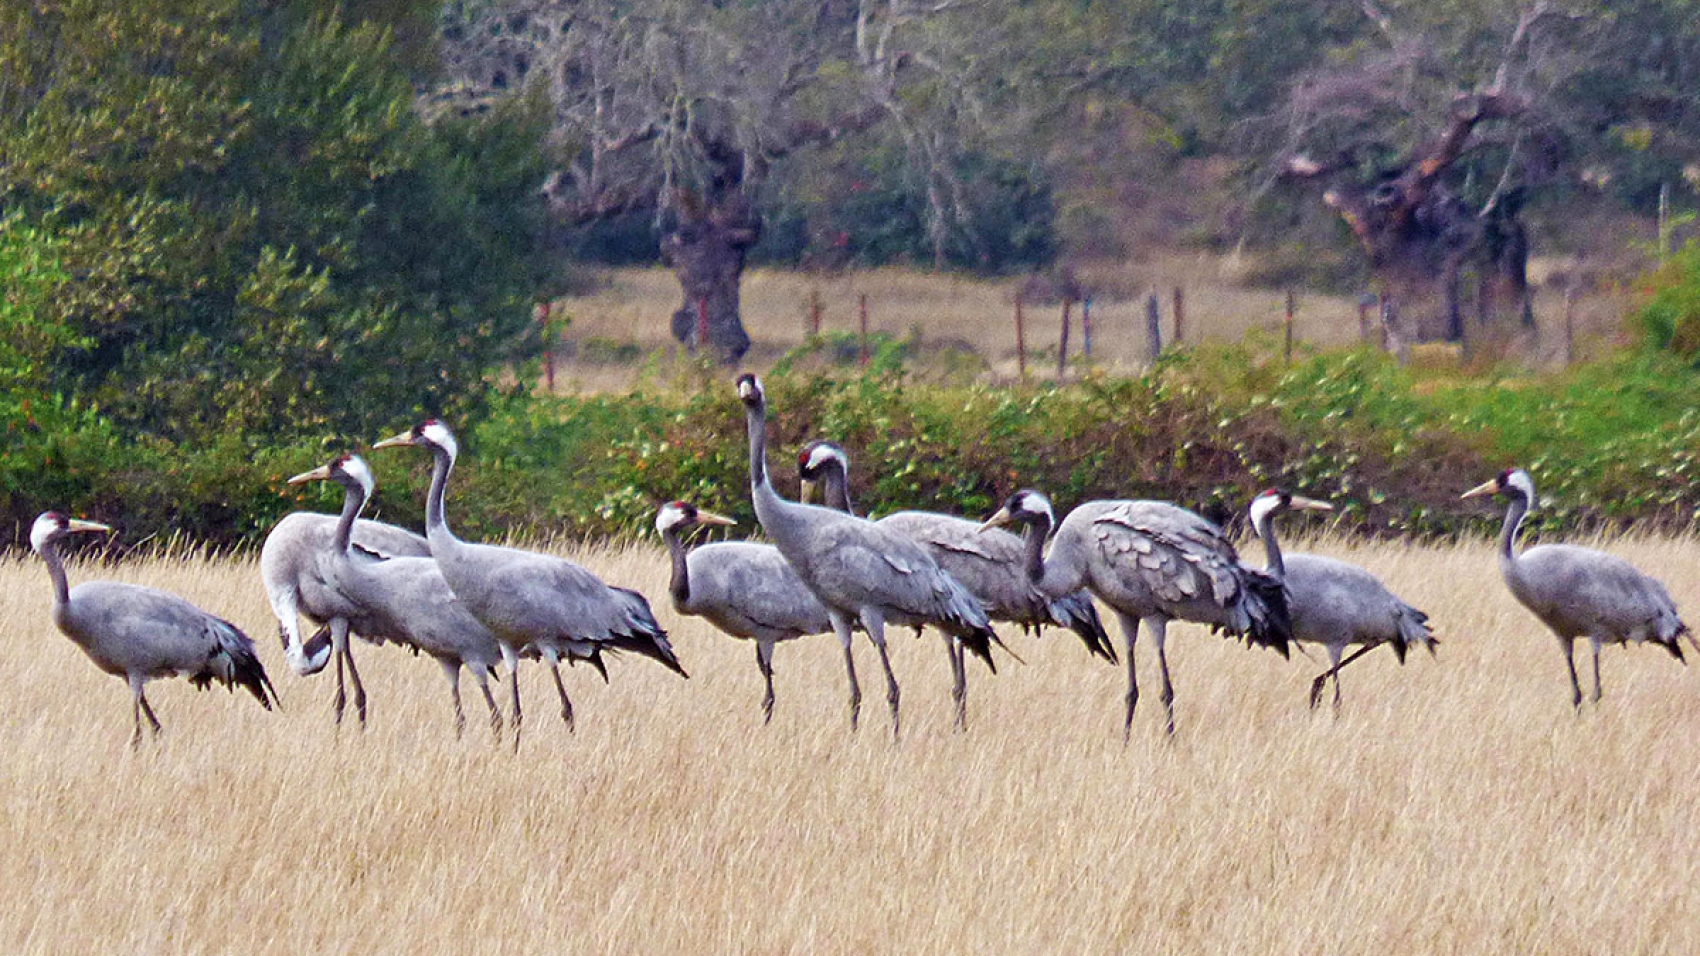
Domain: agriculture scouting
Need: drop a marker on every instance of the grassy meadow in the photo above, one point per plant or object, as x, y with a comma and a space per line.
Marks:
622, 325
1456, 804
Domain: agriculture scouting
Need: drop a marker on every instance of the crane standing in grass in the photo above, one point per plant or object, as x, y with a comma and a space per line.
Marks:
1151, 562
140, 633
1333, 603
290, 569
988, 563
1580, 592
861, 571
406, 596
528, 599
743, 588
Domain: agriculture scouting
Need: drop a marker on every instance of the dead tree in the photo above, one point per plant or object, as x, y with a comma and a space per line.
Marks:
1422, 237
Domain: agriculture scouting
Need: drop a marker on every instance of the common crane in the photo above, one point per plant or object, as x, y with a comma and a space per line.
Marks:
1151, 562
1580, 592
1333, 603
863, 572
140, 633
551, 604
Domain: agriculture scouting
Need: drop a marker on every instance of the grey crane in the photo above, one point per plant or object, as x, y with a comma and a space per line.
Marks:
1152, 562
550, 604
295, 584
743, 588
406, 596
1580, 592
140, 633
865, 573
988, 563
1333, 603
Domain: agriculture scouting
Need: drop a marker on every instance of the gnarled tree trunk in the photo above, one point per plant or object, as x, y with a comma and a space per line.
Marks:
706, 251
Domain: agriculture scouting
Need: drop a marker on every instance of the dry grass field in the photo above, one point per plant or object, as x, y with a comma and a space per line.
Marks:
1456, 805
627, 316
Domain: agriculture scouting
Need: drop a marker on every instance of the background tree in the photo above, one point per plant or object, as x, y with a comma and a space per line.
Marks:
683, 110
263, 237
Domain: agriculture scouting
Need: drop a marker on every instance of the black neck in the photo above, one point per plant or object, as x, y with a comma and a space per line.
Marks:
353, 500
680, 584
1033, 535
442, 463
835, 488
1513, 522
56, 571
756, 416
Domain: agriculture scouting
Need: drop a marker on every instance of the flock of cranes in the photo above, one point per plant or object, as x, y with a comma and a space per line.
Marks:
479, 606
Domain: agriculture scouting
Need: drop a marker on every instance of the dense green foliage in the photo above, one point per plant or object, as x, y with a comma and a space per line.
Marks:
1608, 444
1671, 314
259, 236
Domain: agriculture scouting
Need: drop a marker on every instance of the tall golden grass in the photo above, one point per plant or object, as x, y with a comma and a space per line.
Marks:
1455, 805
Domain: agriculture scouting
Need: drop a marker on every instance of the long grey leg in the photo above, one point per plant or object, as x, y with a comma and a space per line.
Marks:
339, 647
1568, 645
959, 674
147, 711
764, 660
136, 709
1159, 632
1596, 643
510, 656
1130, 637
841, 627
451, 670
340, 701
1334, 672
483, 680
875, 623
553, 659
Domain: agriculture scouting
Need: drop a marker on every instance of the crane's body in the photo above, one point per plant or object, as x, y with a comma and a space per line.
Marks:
989, 562
292, 570
141, 633
862, 572
743, 588
1580, 592
1151, 562
1332, 603
532, 600
406, 598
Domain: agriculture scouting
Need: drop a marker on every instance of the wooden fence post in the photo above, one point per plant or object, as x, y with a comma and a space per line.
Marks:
1364, 302
1086, 325
1287, 329
1020, 337
1062, 340
862, 311
1570, 323
547, 332
1180, 316
1153, 331
814, 312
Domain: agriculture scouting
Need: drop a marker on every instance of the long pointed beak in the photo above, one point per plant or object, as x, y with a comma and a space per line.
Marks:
1485, 488
806, 492
405, 438
1310, 504
321, 473
996, 521
709, 517
78, 524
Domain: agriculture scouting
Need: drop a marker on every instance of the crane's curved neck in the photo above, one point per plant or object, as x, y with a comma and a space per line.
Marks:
1059, 575
1271, 548
755, 417
353, 500
1514, 515
56, 571
680, 584
436, 523
835, 488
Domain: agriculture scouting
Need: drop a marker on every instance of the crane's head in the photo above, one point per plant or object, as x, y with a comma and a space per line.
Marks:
349, 471
750, 391
813, 462
1512, 483
1025, 507
680, 515
52, 526
1273, 501
430, 433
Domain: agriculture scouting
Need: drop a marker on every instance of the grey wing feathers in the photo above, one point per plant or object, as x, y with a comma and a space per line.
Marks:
127, 628
750, 590
1189, 565
990, 564
1582, 592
